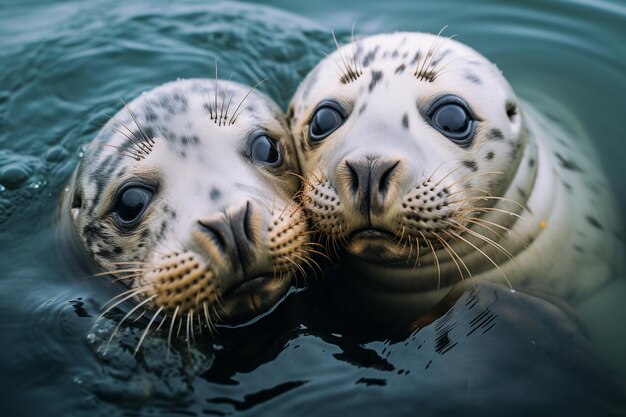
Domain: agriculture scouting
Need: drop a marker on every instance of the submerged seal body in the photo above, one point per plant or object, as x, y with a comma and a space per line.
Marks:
186, 196
425, 169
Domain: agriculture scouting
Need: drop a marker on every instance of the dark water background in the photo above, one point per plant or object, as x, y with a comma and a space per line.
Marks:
65, 65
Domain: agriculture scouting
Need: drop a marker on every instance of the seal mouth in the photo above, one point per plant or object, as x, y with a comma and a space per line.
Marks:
248, 286
371, 234
252, 297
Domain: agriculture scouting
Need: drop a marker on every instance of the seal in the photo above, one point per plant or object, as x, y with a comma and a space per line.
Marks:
423, 168
186, 196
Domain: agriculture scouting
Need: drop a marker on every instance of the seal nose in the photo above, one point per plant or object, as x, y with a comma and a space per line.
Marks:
233, 234
370, 182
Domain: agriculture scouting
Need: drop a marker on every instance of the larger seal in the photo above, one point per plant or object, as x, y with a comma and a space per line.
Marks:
186, 196
426, 169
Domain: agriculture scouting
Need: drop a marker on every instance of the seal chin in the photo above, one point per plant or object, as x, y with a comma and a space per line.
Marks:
374, 245
252, 297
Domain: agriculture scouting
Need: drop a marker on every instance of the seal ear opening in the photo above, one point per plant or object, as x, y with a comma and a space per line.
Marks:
511, 110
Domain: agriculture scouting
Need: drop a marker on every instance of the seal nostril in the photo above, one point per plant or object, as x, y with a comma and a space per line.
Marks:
215, 234
354, 178
383, 185
247, 222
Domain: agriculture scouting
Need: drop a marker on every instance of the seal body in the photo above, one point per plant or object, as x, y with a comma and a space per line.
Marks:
185, 195
424, 169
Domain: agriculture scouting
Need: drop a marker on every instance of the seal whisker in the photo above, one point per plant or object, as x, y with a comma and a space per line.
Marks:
432, 248
145, 332
446, 247
447, 175
169, 334
222, 115
508, 230
119, 271
136, 319
350, 75
355, 57
148, 140
430, 177
490, 197
187, 326
474, 175
235, 115
480, 222
488, 209
180, 324
340, 74
127, 315
491, 242
125, 296
487, 257
141, 146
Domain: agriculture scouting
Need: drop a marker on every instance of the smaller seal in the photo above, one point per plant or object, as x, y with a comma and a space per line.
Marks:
426, 169
186, 196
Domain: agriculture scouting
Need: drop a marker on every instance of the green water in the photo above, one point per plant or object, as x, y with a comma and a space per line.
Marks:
65, 65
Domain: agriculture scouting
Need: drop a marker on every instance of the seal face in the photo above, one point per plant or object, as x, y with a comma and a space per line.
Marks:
186, 196
421, 166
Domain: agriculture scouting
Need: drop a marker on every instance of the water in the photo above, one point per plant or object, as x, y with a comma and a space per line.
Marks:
65, 65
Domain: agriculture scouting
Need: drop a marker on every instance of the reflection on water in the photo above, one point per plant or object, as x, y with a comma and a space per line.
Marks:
65, 66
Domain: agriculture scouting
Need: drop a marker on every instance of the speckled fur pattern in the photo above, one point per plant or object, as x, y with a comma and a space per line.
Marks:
525, 204
190, 142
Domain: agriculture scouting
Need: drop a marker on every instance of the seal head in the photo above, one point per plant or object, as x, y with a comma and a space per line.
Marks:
420, 165
186, 196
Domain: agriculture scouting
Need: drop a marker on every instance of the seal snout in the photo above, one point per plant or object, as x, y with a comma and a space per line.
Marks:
233, 235
371, 182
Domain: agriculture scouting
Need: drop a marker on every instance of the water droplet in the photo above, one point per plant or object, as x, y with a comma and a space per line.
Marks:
37, 184
78, 381
513, 291
2, 188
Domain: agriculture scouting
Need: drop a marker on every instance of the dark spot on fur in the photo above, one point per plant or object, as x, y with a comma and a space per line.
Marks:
151, 116
473, 78
405, 121
362, 108
522, 193
376, 77
567, 186
594, 222
489, 156
531, 162
515, 149
495, 134
416, 58
118, 250
400, 68
471, 165
215, 194
578, 249
568, 163
370, 56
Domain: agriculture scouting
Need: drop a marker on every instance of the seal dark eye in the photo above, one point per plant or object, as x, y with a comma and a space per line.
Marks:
326, 119
451, 116
132, 203
265, 150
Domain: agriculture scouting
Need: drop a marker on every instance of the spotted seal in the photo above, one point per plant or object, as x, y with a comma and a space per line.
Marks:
186, 195
424, 169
